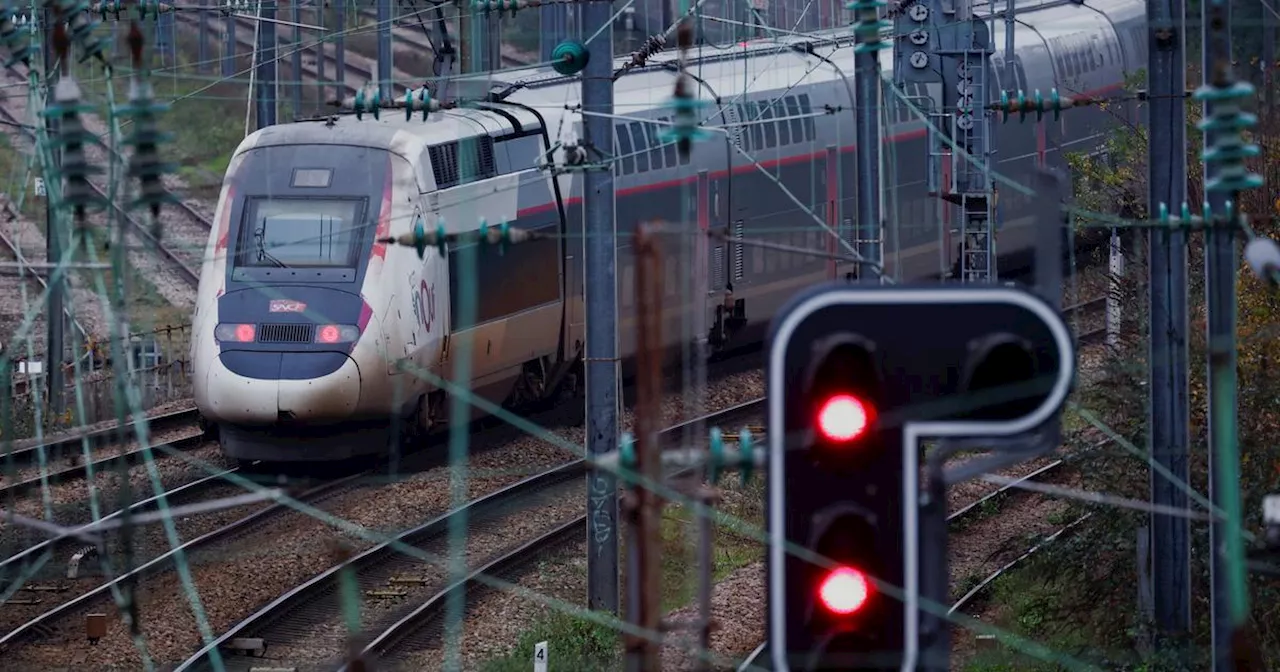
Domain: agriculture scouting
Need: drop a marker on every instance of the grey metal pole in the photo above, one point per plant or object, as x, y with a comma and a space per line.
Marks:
867, 118
202, 49
1224, 176
54, 319
1167, 292
553, 26
340, 51
229, 48
295, 63
384, 48
266, 75
602, 316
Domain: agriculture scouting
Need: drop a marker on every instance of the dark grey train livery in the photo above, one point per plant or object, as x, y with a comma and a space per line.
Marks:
335, 339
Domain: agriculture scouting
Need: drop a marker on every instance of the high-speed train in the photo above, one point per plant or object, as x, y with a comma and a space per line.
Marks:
310, 334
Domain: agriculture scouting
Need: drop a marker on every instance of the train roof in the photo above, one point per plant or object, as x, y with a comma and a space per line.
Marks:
757, 68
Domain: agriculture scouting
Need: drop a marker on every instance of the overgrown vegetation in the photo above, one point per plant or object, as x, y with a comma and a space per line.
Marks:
1082, 598
579, 644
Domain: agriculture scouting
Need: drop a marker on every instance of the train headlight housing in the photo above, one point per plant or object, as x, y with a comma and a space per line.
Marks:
235, 333
336, 333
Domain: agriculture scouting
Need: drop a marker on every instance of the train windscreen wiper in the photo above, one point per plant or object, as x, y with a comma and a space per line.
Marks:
258, 237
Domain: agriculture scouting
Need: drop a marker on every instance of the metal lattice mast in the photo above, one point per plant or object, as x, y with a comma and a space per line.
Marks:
943, 46
867, 81
1226, 175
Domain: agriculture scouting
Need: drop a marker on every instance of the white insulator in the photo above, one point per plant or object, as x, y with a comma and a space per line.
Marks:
1263, 256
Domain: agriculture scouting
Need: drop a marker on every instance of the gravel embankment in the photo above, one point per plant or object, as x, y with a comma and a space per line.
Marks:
245, 573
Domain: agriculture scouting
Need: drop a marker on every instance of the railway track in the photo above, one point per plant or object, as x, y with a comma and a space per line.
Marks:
181, 218
302, 626
32, 464
360, 70
38, 276
273, 549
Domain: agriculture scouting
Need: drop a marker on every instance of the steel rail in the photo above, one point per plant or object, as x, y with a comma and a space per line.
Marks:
81, 470
8, 565
244, 40
24, 271
306, 593
97, 438
190, 275
972, 595
299, 596
386, 641
28, 630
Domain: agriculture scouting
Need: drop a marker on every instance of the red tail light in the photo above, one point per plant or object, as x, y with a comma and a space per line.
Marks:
328, 334
235, 333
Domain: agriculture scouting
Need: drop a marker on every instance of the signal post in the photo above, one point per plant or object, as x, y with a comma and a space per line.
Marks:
857, 377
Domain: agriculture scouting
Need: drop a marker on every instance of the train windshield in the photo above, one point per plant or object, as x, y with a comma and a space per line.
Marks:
301, 233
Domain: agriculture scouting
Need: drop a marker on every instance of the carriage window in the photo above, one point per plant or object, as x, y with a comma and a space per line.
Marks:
625, 150
655, 148
810, 131
770, 128
300, 233
642, 156
781, 113
757, 128
669, 149
796, 123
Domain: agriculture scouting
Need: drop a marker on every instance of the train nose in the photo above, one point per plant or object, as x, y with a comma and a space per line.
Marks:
285, 386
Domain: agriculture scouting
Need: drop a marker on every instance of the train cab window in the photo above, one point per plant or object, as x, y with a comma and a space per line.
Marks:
300, 233
625, 149
642, 155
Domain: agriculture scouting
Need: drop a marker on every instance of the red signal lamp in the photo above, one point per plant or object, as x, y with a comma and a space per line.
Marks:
844, 417
844, 591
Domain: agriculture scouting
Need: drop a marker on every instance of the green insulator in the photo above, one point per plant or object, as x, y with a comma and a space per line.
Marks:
746, 452
684, 126
869, 26
627, 453
570, 57
368, 103
715, 455
504, 236
420, 236
359, 105
442, 241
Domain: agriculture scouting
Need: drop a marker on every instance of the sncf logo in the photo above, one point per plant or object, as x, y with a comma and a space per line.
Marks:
287, 306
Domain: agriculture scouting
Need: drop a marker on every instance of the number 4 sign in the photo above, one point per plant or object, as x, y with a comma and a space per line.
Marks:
540, 657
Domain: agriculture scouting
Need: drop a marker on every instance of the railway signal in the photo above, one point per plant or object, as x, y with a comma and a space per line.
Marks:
857, 375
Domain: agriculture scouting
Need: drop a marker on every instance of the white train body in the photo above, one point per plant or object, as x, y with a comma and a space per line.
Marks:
309, 332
